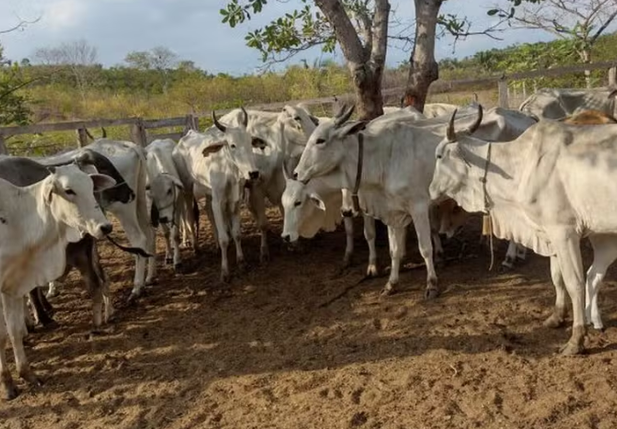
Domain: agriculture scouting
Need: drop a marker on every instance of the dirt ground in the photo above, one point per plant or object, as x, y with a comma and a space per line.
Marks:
278, 349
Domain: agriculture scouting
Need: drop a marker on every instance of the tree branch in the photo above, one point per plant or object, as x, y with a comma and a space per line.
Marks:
380, 32
603, 27
343, 29
20, 25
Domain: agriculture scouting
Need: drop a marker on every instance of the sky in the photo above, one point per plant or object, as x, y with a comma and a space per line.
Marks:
194, 31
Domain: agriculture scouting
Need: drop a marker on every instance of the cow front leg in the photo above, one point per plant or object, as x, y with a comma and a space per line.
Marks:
223, 238
369, 236
508, 262
348, 221
567, 244
8, 385
422, 225
29, 320
14, 317
211, 219
396, 242
258, 209
236, 234
175, 244
168, 252
558, 315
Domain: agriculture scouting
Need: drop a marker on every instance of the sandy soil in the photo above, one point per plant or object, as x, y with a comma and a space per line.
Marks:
277, 349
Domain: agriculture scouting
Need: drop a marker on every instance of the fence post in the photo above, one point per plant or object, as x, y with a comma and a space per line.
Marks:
82, 137
192, 123
503, 93
612, 77
3, 149
138, 133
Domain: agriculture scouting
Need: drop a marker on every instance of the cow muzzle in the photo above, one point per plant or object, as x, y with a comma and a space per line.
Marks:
254, 175
106, 229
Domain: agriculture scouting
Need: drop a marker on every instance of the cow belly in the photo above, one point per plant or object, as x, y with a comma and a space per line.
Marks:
379, 206
512, 223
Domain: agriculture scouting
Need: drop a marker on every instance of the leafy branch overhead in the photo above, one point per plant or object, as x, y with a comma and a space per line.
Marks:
300, 29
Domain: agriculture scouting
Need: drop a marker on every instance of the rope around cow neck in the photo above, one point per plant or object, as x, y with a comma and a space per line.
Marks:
356, 186
487, 223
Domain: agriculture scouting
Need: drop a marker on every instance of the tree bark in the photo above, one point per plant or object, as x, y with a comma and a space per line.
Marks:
423, 68
366, 62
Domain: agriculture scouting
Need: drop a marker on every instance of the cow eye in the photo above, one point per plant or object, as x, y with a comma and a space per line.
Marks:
297, 203
320, 141
297, 118
439, 156
233, 146
169, 192
69, 192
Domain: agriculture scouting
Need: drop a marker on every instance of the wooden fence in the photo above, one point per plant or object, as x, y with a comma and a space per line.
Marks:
140, 134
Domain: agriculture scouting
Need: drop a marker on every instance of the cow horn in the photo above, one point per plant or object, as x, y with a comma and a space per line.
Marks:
474, 127
612, 94
342, 119
218, 125
245, 117
340, 111
450, 134
104, 133
88, 133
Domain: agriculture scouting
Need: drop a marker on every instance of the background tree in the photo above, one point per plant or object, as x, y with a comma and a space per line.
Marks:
79, 56
13, 108
580, 22
359, 26
159, 58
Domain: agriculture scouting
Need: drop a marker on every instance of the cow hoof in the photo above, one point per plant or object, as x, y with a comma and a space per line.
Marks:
11, 392
151, 282
571, 349
169, 261
505, 268
133, 297
431, 293
387, 290
31, 378
178, 268
242, 266
225, 277
371, 271
264, 257
347, 261
553, 322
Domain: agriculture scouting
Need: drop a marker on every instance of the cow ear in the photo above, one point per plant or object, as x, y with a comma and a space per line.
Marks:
316, 199
102, 181
49, 188
351, 128
258, 143
88, 168
177, 182
213, 148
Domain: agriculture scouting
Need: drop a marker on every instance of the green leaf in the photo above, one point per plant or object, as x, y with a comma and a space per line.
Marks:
492, 12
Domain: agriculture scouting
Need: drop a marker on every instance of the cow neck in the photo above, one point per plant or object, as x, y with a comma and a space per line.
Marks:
356, 187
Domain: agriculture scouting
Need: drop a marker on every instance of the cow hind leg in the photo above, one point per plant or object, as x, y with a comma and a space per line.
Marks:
237, 237
369, 236
509, 261
396, 241
604, 253
258, 209
422, 225
40, 312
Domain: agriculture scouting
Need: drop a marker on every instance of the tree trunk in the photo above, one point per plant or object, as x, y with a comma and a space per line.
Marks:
423, 68
367, 86
585, 55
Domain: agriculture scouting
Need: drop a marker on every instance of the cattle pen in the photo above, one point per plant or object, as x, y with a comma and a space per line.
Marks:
300, 342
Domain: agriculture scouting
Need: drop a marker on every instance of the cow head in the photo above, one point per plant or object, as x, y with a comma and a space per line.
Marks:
326, 145
121, 192
453, 165
299, 203
69, 192
449, 217
164, 190
240, 145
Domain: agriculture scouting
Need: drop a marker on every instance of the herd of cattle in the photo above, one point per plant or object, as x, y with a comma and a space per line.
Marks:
542, 175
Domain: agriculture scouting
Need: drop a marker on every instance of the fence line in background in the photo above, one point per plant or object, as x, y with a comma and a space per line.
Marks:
139, 127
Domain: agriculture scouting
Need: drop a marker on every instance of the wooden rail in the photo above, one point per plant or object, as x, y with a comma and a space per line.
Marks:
139, 127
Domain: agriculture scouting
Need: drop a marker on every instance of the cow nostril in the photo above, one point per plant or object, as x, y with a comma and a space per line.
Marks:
286, 238
107, 228
254, 175
163, 220
295, 176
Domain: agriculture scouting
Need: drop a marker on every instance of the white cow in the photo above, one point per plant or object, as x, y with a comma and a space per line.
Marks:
171, 205
130, 160
556, 103
547, 189
397, 170
36, 224
217, 165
